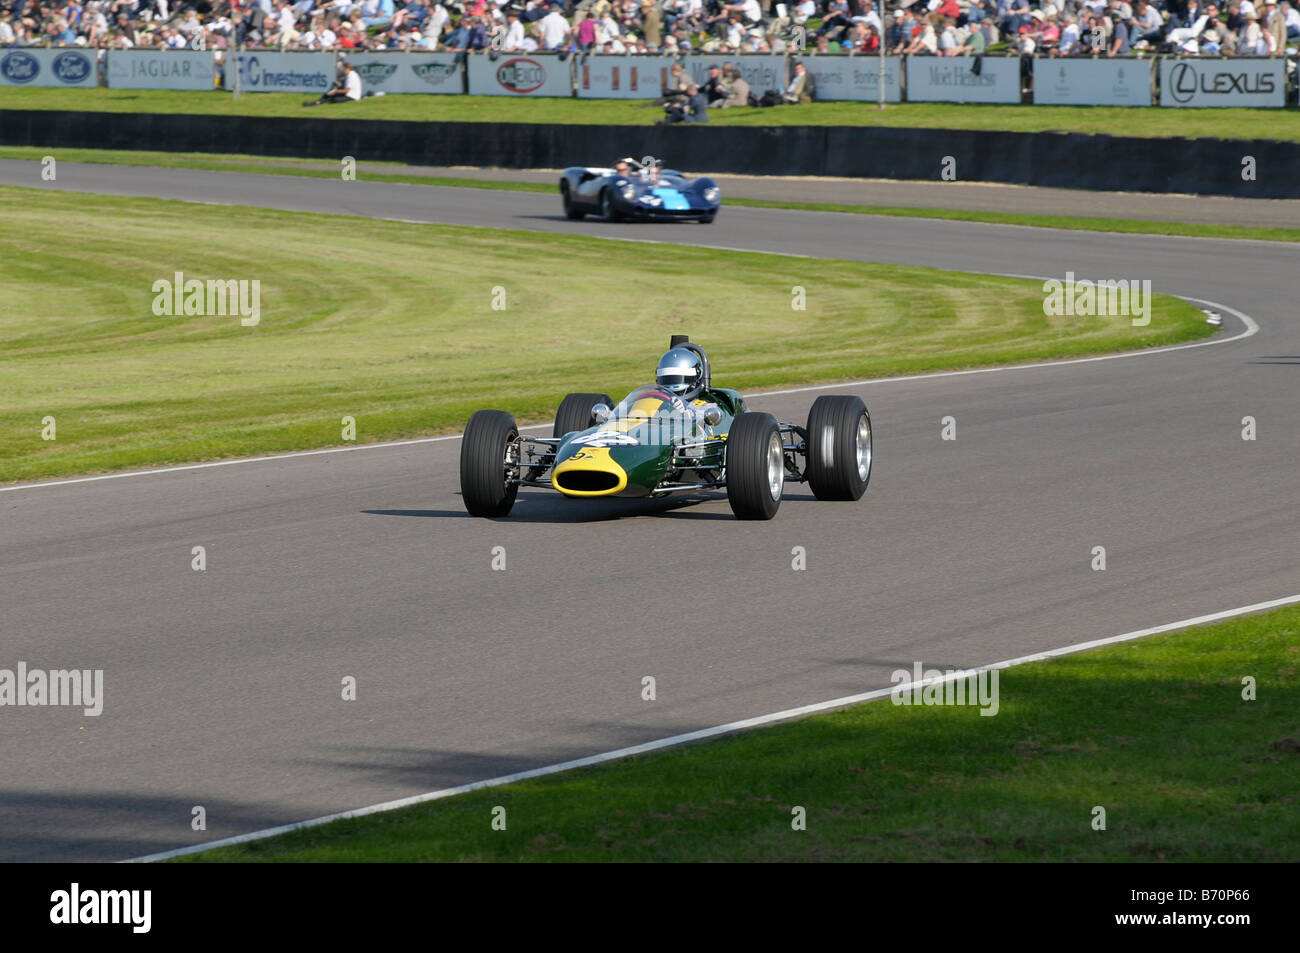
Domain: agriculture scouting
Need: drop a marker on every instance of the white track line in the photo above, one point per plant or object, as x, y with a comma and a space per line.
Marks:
706, 733
1250, 325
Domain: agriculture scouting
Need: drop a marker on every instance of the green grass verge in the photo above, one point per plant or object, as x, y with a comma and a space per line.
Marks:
392, 324
261, 166
1281, 124
1155, 731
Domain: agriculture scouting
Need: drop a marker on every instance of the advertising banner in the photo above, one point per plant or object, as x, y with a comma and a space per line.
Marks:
510, 74
160, 69
953, 79
762, 71
855, 77
408, 72
57, 67
264, 71
622, 77
1089, 82
1241, 81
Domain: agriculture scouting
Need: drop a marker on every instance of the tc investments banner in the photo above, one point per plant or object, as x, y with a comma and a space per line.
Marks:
510, 74
408, 72
950, 79
1087, 82
762, 71
1242, 81
622, 77
160, 69
269, 72
854, 77
57, 67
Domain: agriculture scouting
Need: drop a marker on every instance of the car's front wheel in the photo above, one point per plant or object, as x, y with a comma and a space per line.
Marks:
839, 447
487, 470
755, 462
575, 412
607, 210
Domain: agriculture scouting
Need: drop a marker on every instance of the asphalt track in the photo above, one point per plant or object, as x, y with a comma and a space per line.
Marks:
223, 687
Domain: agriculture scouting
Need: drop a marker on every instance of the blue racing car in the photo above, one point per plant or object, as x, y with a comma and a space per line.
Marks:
636, 190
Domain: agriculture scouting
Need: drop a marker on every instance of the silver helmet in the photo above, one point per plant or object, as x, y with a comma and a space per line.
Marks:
681, 372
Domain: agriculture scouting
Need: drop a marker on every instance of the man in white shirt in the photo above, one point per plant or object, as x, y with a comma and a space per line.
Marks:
514, 38
870, 17
346, 90
555, 29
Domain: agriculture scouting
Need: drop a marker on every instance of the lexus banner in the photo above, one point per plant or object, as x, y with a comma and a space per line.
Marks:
1241, 81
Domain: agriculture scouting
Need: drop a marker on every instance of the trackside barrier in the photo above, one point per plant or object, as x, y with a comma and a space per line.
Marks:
1124, 163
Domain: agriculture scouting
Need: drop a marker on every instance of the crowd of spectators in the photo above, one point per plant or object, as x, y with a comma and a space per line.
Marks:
935, 27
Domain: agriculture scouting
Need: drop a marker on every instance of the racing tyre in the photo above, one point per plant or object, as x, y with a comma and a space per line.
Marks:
708, 219
575, 412
607, 210
485, 486
755, 467
570, 210
839, 447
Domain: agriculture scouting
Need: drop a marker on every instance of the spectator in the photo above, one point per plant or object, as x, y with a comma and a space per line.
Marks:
1274, 28
737, 89
555, 30
347, 89
800, 88
714, 88
695, 109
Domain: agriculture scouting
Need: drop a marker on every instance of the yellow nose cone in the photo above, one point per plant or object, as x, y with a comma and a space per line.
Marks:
589, 472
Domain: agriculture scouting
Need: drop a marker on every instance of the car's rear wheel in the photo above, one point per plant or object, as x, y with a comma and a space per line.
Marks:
607, 210
839, 447
486, 467
570, 209
755, 462
575, 412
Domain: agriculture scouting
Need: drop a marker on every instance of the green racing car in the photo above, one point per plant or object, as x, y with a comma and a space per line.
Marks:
680, 434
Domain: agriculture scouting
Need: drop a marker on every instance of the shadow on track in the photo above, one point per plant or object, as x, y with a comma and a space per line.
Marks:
557, 509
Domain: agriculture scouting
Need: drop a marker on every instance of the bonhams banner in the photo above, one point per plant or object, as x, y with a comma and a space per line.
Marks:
855, 77
963, 79
263, 71
622, 77
160, 69
1241, 81
1088, 82
408, 72
32, 67
510, 74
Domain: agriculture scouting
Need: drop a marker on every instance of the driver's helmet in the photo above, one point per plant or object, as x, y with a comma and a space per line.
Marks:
681, 372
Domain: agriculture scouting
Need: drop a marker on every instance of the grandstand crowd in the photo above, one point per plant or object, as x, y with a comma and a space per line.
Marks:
926, 27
